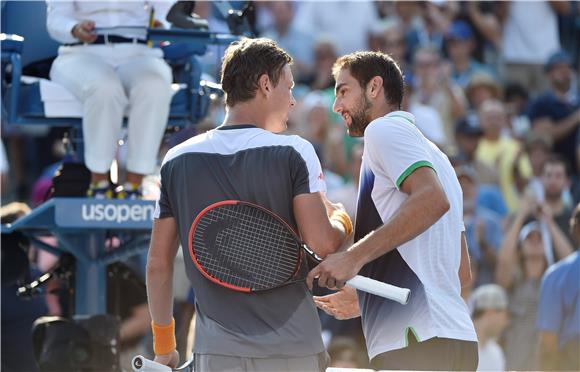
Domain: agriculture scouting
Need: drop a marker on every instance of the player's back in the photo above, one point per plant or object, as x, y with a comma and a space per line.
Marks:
250, 164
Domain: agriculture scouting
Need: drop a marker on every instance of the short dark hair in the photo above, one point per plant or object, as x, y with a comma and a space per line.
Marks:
245, 61
364, 66
557, 159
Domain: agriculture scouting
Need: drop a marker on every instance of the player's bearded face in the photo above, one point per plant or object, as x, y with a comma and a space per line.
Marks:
360, 116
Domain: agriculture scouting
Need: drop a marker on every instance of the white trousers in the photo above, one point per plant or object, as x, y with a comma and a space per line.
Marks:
111, 80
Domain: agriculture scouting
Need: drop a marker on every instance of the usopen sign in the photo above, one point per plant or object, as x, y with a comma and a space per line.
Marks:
106, 214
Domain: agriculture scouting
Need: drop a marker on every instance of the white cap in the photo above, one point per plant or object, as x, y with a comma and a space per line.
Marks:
488, 296
528, 228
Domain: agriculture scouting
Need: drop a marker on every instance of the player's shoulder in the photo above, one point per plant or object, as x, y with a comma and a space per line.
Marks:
191, 145
394, 125
298, 143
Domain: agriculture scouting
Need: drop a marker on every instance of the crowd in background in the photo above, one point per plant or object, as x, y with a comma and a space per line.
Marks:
496, 86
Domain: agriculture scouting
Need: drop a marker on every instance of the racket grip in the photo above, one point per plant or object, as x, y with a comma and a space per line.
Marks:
142, 364
388, 291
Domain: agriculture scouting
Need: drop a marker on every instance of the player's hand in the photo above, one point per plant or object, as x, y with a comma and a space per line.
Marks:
84, 31
335, 270
170, 360
341, 305
330, 206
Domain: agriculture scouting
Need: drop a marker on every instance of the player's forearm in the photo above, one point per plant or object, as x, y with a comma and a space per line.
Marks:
159, 279
160, 291
419, 212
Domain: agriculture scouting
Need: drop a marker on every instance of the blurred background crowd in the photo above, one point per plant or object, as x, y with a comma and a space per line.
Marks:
496, 86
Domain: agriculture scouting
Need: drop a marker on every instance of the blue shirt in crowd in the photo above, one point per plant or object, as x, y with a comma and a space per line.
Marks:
559, 309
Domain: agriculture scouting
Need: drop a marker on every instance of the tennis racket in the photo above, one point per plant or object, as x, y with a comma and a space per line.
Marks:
142, 364
247, 248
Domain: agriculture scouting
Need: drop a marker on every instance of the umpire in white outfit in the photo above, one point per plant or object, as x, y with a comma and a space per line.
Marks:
112, 76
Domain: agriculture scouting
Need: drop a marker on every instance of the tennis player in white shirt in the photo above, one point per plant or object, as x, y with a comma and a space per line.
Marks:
409, 230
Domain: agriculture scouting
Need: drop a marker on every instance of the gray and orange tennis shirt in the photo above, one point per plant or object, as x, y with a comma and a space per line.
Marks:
243, 162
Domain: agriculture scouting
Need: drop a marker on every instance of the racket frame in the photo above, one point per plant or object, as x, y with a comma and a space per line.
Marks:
202, 270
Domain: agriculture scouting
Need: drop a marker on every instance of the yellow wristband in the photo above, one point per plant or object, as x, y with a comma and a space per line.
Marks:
163, 338
343, 218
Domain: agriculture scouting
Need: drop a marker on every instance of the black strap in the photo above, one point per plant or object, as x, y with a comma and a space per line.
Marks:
112, 39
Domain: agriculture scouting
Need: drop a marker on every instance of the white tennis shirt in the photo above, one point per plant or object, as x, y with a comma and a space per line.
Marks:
428, 264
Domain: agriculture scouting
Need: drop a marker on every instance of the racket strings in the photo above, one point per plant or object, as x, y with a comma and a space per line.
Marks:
252, 249
233, 253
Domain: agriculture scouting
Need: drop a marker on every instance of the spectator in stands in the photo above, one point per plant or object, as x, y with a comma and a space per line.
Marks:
349, 24
409, 14
520, 266
347, 194
460, 46
525, 45
489, 311
502, 152
481, 87
392, 41
555, 113
437, 16
467, 136
317, 122
516, 99
559, 311
111, 75
432, 87
324, 57
427, 119
483, 18
285, 32
483, 229
317, 128
538, 148
556, 181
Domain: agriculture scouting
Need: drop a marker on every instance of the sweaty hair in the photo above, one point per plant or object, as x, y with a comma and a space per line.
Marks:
243, 64
364, 66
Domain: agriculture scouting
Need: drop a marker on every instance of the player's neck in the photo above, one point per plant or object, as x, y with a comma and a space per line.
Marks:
244, 113
382, 109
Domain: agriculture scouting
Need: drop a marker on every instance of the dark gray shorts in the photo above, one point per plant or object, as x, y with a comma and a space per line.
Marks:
226, 363
435, 354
